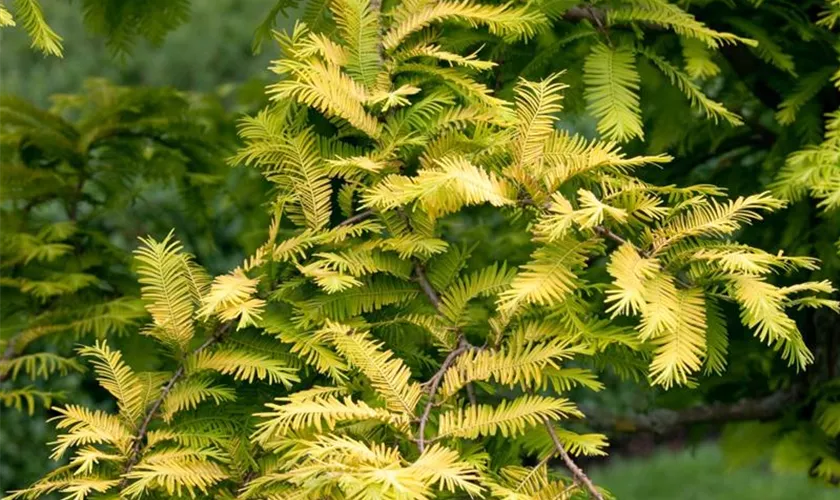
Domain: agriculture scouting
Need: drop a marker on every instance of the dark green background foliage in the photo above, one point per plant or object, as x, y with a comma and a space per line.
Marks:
211, 50
129, 181
133, 183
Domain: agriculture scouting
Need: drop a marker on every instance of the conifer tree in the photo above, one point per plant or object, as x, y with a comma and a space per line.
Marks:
365, 350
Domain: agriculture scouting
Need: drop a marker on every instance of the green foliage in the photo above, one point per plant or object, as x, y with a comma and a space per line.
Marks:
71, 178
32, 18
612, 85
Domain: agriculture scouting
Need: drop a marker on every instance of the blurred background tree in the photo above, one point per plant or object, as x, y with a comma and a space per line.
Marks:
210, 61
212, 49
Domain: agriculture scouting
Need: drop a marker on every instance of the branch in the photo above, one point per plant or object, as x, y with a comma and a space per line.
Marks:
134, 454
603, 231
463, 346
577, 472
597, 17
356, 218
426, 285
606, 233
665, 421
434, 383
8, 354
471, 393
376, 7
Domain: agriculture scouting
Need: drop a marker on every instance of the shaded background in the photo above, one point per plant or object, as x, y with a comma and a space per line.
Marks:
212, 53
212, 49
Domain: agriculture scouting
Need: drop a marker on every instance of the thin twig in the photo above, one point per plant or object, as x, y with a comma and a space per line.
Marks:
577, 472
8, 354
471, 394
356, 218
426, 285
134, 456
603, 231
434, 383
73, 211
376, 7
596, 16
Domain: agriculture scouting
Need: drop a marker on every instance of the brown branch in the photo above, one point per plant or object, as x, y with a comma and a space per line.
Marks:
471, 393
426, 285
356, 218
577, 472
597, 17
603, 231
665, 421
135, 453
434, 383
376, 7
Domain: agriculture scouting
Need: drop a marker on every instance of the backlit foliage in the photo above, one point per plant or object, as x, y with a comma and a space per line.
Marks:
396, 361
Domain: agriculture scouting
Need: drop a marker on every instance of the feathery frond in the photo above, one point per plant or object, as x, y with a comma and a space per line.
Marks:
318, 412
454, 183
84, 426
528, 366
612, 86
30, 14
667, 14
388, 375
117, 378
549, 277
166, 289
712, 109
504, 20
244, 365
189, 393
508, 418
